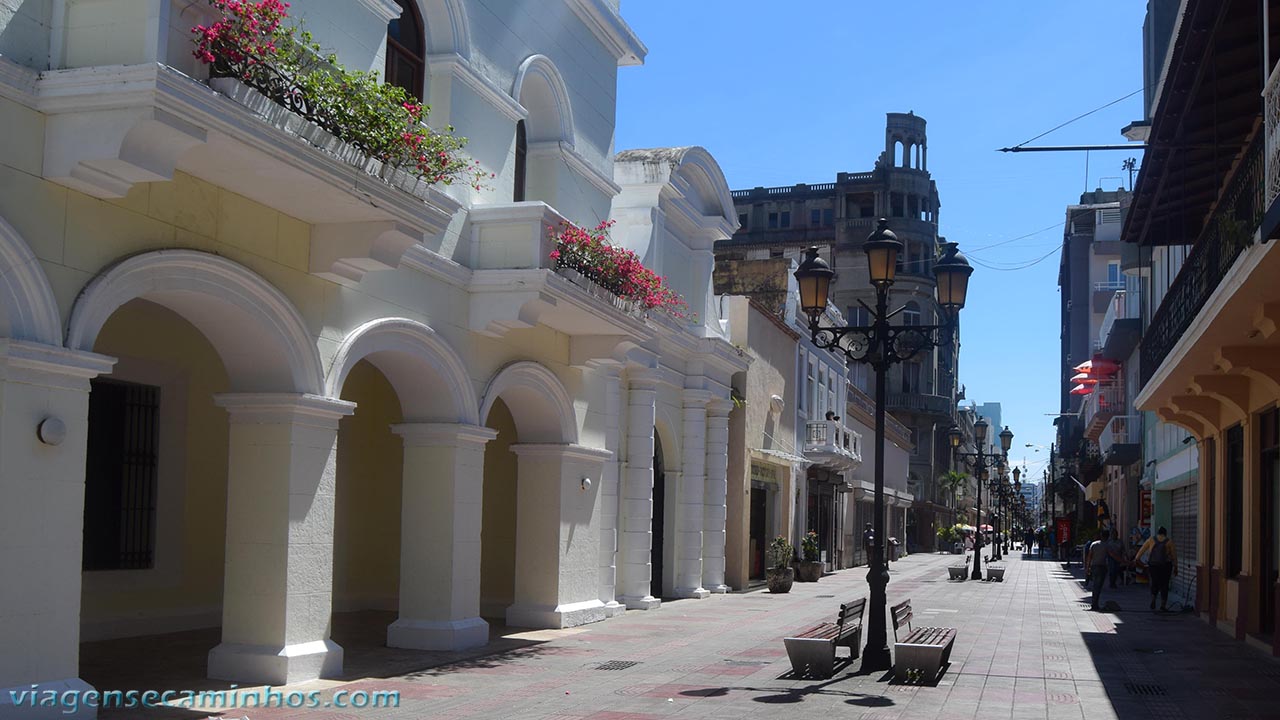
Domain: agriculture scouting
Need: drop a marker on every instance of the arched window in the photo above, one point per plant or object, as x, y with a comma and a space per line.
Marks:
405, 50
911, 313
522, 153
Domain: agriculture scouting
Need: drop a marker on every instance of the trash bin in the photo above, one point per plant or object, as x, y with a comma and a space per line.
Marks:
893, 549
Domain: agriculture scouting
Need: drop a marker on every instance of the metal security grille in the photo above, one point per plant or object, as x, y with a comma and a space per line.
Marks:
1184, 515
120, 476
617, 665
1146, 689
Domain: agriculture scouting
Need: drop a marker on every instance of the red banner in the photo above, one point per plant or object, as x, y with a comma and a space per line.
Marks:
1144, 513
1064, 530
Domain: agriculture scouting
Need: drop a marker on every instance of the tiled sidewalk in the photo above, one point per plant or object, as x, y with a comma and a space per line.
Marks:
1027, 648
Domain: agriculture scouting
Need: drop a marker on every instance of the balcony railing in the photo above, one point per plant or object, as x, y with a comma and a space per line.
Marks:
1105, 402
1117, 308
1108, 285
1229, 231
831, 438
917, 402
860, 400
1271, 113
1119, 430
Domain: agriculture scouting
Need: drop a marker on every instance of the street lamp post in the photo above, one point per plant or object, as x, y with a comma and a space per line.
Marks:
979, 462
882, 345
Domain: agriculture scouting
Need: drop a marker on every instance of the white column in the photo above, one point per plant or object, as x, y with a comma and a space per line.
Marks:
636, 499
610, 376
715, 496
278, 588
440, 510
557, 544
692, 489
43, 389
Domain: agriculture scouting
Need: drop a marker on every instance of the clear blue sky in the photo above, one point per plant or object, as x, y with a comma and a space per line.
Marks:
792, 92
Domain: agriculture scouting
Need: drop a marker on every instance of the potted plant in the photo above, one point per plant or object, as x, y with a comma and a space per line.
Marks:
780, 574
946, 538
810, 569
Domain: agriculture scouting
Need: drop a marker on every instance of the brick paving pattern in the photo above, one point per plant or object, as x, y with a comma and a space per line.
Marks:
1027, 648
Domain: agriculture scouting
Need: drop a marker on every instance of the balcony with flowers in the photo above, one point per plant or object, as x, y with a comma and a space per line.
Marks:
258, 109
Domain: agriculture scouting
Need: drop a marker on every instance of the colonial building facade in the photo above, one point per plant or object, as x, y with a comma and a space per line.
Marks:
250, 382
837, 217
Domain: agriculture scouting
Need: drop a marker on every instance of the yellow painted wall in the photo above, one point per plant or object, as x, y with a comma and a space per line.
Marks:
498, 522
366, 542
156, 335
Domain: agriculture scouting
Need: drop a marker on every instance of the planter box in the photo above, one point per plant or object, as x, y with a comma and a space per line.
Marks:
780, 579
809, 571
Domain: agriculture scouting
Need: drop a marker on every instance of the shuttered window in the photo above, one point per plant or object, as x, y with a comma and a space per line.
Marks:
120, 476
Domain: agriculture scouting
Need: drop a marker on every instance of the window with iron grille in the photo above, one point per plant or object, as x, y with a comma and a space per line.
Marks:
120, 476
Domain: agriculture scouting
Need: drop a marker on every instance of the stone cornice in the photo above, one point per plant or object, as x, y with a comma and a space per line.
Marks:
612, 31
443, 434
49, 365
284, 408
577, 163
17, 82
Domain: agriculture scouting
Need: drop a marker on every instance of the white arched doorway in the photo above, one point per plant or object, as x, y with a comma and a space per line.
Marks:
540, 543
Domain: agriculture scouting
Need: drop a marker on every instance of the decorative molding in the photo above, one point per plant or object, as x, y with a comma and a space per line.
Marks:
232, 306
540, 66
384, 10
25, 293
448, 28
611, 30
443, 434
537, 397
18, 82
461, 68
345, 252
416, 340
50, 365
284, 408
433, 264
577, 163
569, 451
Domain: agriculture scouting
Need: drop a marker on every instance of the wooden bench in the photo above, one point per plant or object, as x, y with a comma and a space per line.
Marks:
924, 649
995, 572
813, 652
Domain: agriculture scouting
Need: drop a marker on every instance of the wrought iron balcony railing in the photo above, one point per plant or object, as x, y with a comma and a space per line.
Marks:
1271, 115
1226, 235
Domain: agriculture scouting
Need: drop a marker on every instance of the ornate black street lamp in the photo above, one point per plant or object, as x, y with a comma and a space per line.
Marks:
998, 479
882, 345
979, 461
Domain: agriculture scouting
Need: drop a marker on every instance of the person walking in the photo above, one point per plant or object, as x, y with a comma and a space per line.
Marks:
1116, 560
1095, 558
1161, 563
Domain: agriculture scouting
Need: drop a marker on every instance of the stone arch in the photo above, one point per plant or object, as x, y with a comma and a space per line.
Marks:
540, 89
28, 309
447, 29
258, 333
542, 408
703, 173
430, 379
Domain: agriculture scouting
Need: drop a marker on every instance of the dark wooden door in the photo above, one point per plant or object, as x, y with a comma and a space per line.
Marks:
759, 539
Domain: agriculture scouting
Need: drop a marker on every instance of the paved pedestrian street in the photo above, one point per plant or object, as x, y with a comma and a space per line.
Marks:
1027, 648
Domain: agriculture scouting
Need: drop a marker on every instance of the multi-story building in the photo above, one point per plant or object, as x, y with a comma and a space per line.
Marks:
252, 380
1203, 220
837, 217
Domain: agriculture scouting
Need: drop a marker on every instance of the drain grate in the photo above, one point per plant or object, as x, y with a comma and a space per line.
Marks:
1145, 689
824, 596
617, 665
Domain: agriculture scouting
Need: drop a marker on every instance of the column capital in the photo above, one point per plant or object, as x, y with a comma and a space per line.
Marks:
719, 409
443, 434
642, 378
696, 398
567, 451
49, 365
281, 408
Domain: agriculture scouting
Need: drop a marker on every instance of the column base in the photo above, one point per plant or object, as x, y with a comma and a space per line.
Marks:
719, 589
648, 602
560, 616
613, 608
24, 702
270, 665
438, 634
695, 593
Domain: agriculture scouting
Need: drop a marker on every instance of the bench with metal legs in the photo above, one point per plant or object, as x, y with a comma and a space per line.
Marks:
813, 652
924, 650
